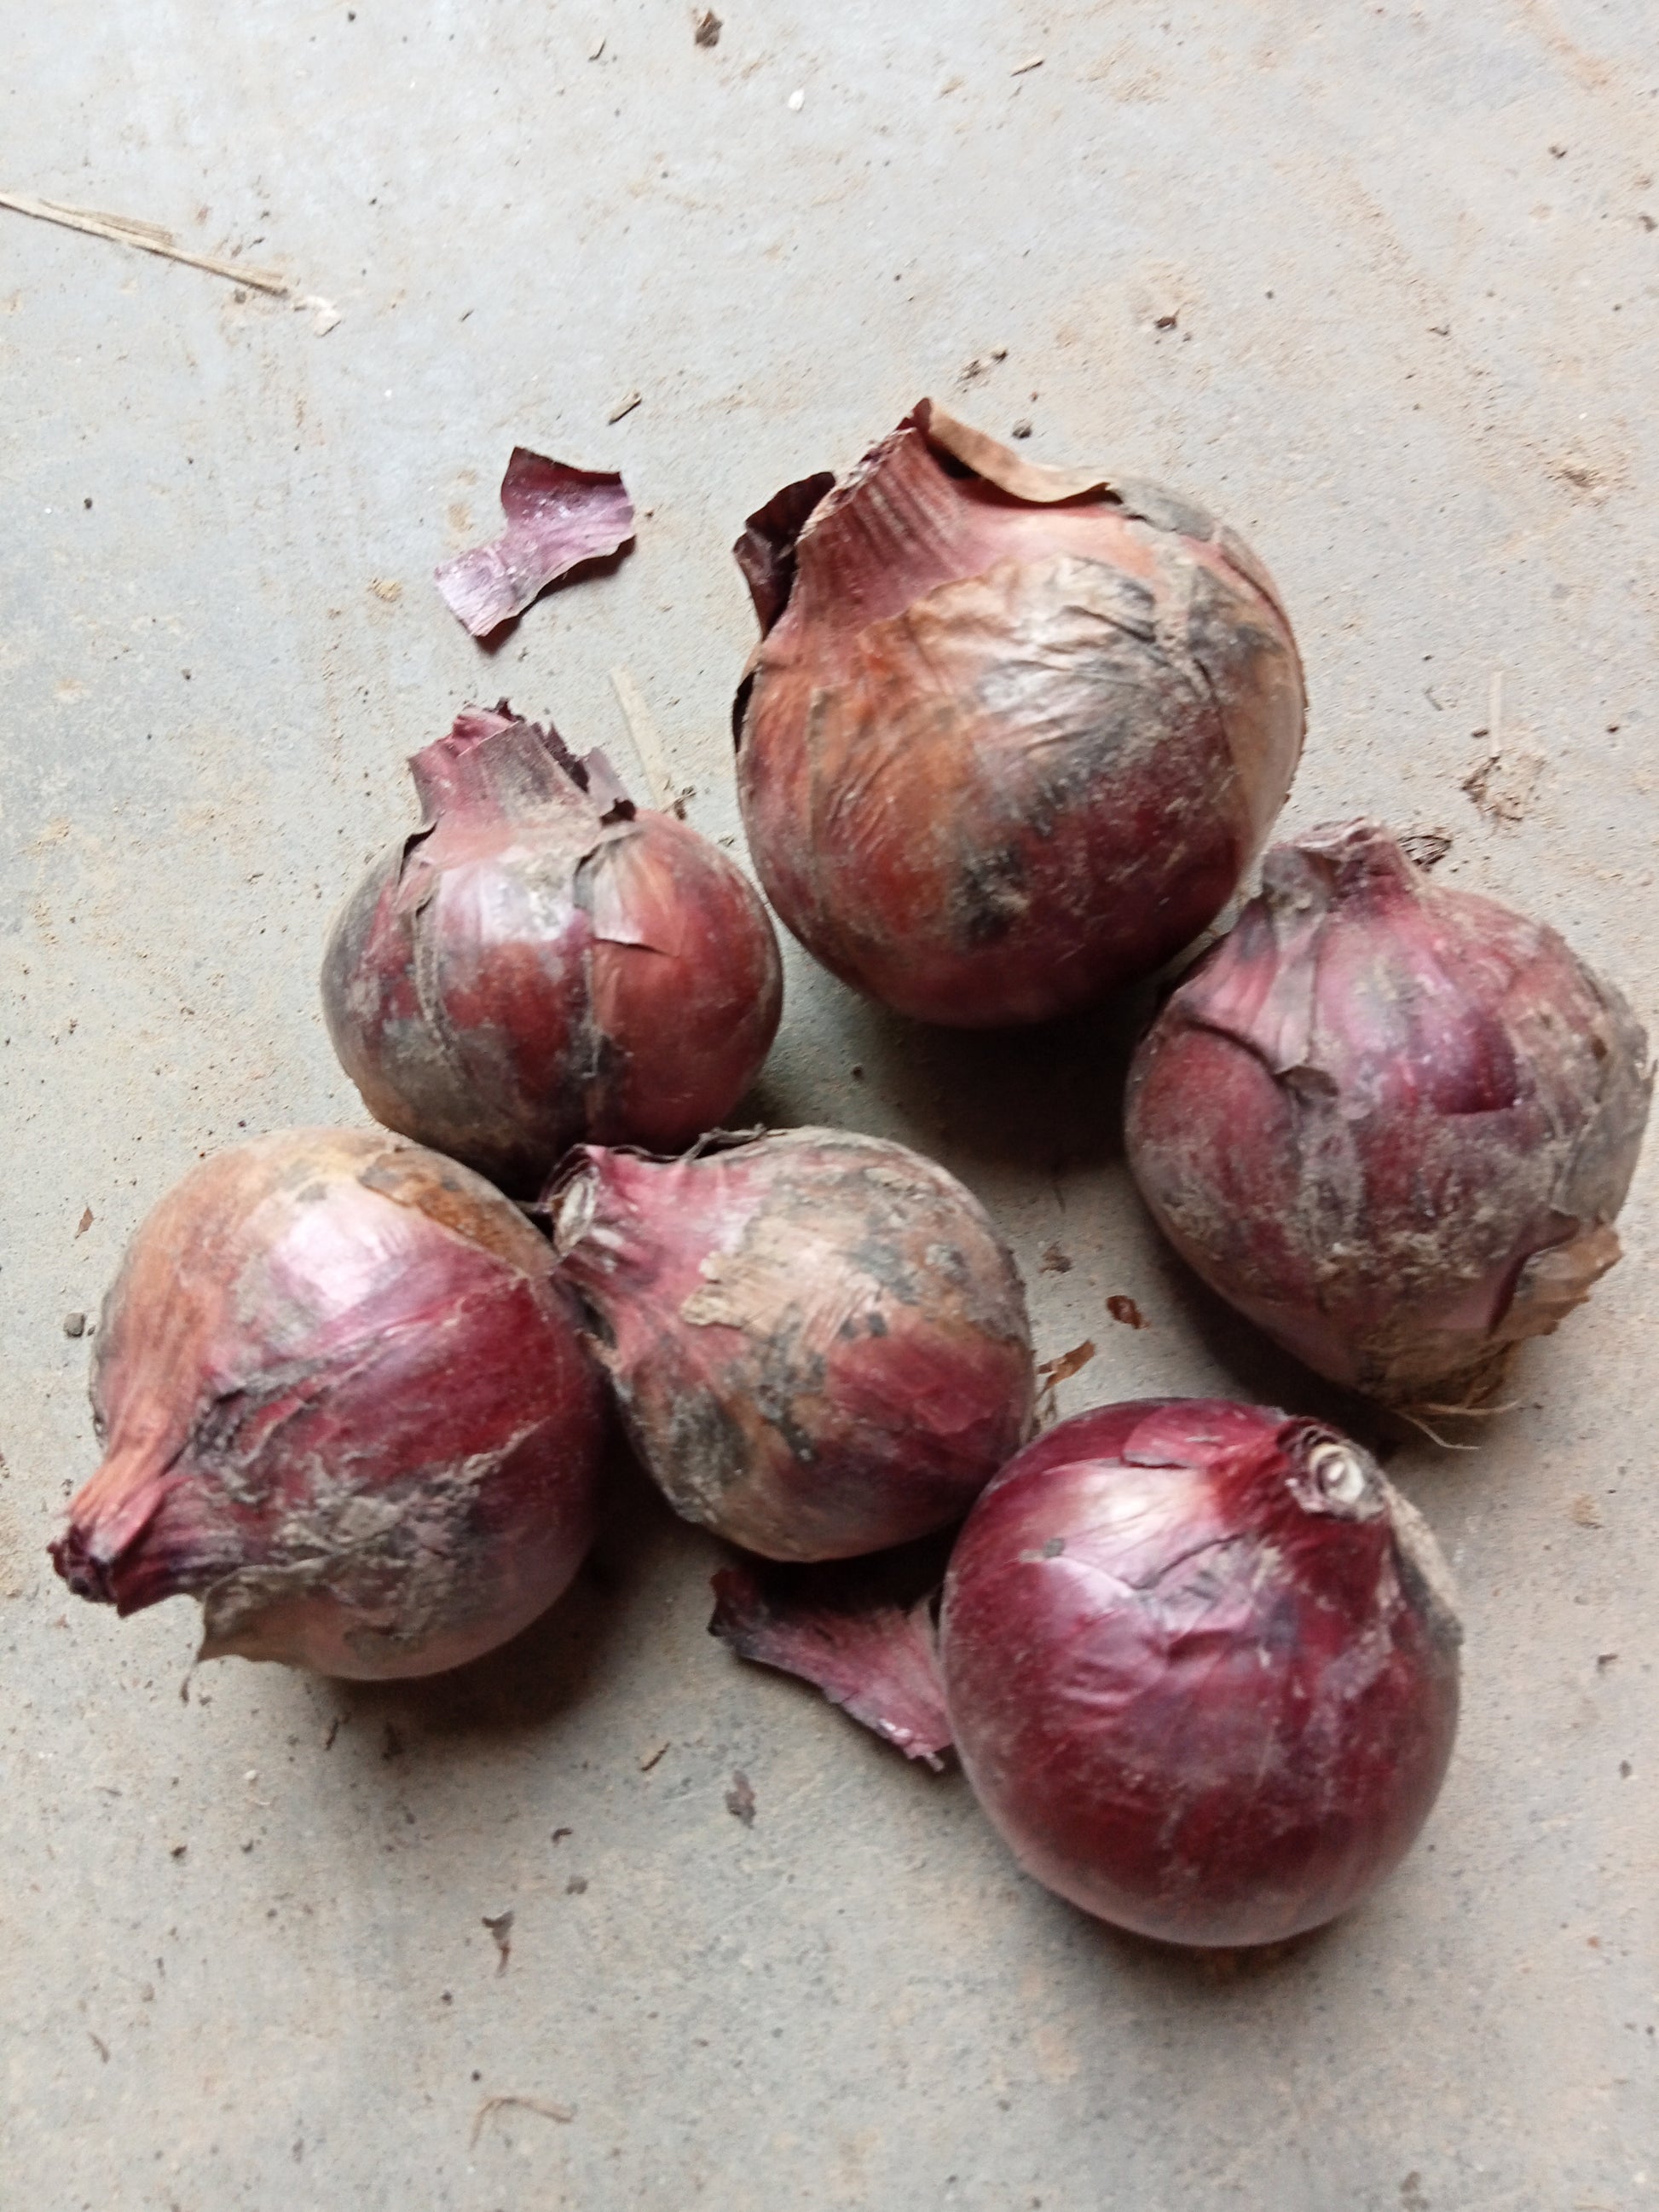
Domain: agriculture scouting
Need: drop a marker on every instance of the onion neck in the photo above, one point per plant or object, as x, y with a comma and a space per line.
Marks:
1340, 864
493, 766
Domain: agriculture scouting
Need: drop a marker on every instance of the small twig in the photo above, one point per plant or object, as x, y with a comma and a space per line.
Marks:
148, 237
563, 2113
1433, 1435
1472, 1412
654, 758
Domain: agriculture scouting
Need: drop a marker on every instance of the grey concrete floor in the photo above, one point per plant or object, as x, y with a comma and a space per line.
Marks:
1412, 260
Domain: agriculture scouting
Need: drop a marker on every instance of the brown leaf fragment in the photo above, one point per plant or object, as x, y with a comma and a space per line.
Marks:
706, 27
840, 1626
557, 516
740, 1799
1123, 1308
1068, 1364
500, 1925
1426, 849
84, 1224
1054, 1262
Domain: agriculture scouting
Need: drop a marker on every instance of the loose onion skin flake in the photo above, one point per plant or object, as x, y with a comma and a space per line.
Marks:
557, 517
1011, 734
343, 1403
853, 1629
1201, 1668
545, 963
1391, 1122
817, 1340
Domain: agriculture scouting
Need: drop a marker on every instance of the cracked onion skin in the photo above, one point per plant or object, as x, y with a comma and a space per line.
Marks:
1011, 734
545, 963
817, 1340
1391, 1123
1201, 1664
342, 1401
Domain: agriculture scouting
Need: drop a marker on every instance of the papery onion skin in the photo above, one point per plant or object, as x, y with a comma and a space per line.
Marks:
1201, 1669
1389, 1120
1011, 735
817, 1340
547, 963
343, 1402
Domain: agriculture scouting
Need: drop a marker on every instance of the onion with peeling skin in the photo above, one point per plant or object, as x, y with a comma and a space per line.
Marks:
1389, 1121
545, 963
1201, 1668
343, 1402
1011, 735
817, 1340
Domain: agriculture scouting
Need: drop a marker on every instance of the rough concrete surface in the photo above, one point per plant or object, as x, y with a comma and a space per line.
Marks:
1378, 283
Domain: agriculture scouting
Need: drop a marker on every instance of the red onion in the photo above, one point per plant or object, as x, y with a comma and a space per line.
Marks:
1012, 734
1390, 1123
343, 1402
817, 1340
1201, 1665
546, 963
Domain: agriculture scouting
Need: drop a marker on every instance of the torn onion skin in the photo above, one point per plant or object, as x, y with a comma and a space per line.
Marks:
545, 963
851, 1630
557, 517
1390, 1121
1201, 1664
818, 1341
342, 1401
1011, 735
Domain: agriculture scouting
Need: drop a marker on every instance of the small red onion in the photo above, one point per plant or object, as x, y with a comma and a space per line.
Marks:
343, 1403
817, 1340
1391, 1122
1201, 1667
1012, 734
546, 963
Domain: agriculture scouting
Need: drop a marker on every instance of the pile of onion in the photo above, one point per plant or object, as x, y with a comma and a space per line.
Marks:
817, 1340
1392, 1123
545, 963
1012, 734
343, 1402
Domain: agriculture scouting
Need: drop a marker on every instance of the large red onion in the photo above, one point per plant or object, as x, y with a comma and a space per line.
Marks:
1012, 734
545, 963
343, 1402
817, 1340
1390, 1123
1201, 1669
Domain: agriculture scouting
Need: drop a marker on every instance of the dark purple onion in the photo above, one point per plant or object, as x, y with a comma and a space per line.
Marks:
1201, 1667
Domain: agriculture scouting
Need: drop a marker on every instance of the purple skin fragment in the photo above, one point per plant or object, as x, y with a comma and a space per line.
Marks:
868, 1652
556, 517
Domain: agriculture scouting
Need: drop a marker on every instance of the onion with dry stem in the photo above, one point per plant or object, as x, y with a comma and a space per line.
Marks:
545, 963
1011, 734
1391, 1122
